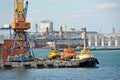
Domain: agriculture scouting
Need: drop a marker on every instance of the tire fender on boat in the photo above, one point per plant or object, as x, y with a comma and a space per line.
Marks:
93, 59
89, 59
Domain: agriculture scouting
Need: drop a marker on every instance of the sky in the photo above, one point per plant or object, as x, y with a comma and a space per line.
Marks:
95, 15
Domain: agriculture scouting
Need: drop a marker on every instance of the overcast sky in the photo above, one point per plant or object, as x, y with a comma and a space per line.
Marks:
95, 15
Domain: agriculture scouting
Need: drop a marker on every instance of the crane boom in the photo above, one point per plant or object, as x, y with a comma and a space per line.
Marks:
20, 15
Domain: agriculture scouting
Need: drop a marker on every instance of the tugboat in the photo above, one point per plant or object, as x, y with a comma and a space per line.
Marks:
85, 57
68, 53
54, 54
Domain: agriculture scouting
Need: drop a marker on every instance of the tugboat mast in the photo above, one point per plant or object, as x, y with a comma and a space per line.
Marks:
84, 38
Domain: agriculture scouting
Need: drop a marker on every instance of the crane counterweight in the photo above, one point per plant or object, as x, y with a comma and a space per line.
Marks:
21, 26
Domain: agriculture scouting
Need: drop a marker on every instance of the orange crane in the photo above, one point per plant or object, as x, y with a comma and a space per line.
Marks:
18, 48
19, 26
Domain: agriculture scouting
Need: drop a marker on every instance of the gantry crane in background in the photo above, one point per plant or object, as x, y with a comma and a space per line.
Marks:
21, 44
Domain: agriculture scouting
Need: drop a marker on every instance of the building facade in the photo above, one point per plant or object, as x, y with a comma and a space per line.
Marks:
46, 24
104, 40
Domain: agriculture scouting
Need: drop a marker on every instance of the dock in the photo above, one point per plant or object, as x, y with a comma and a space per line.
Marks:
39, 64
50, 64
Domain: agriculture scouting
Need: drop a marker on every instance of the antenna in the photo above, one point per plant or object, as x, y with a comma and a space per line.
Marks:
54, 45
69, 41
84, 32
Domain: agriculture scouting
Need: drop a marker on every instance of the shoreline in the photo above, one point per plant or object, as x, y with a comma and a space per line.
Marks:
61, 50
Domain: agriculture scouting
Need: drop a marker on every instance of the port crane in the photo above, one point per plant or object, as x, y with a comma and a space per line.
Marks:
21, 44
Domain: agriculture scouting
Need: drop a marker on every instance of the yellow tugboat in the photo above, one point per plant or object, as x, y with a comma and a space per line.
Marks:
85, 57
54, 52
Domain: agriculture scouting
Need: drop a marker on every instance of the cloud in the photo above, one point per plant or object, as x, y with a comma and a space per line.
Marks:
84, 14
107, 5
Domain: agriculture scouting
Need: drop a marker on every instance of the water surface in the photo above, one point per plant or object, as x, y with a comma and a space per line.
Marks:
109, 69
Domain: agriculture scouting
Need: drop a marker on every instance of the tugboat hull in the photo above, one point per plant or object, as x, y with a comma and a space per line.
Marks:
88, 62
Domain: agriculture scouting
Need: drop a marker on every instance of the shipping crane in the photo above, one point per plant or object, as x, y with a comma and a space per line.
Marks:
21, 44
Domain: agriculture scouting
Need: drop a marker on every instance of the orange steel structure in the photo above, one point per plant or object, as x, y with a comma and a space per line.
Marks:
20, 16
19, 45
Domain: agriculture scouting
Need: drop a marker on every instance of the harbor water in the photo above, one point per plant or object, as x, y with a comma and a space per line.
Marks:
109, 69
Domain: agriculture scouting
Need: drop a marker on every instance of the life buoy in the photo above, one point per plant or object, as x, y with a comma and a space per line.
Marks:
89, 59
93, 59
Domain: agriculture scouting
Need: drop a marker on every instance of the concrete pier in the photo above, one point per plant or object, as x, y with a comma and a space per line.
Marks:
48, 64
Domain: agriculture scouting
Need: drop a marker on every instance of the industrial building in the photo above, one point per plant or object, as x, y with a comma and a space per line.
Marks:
38, 40
46, 24
111, 40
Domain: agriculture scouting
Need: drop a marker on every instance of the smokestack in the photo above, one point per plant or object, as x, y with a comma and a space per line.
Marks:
61, 32
47, 32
